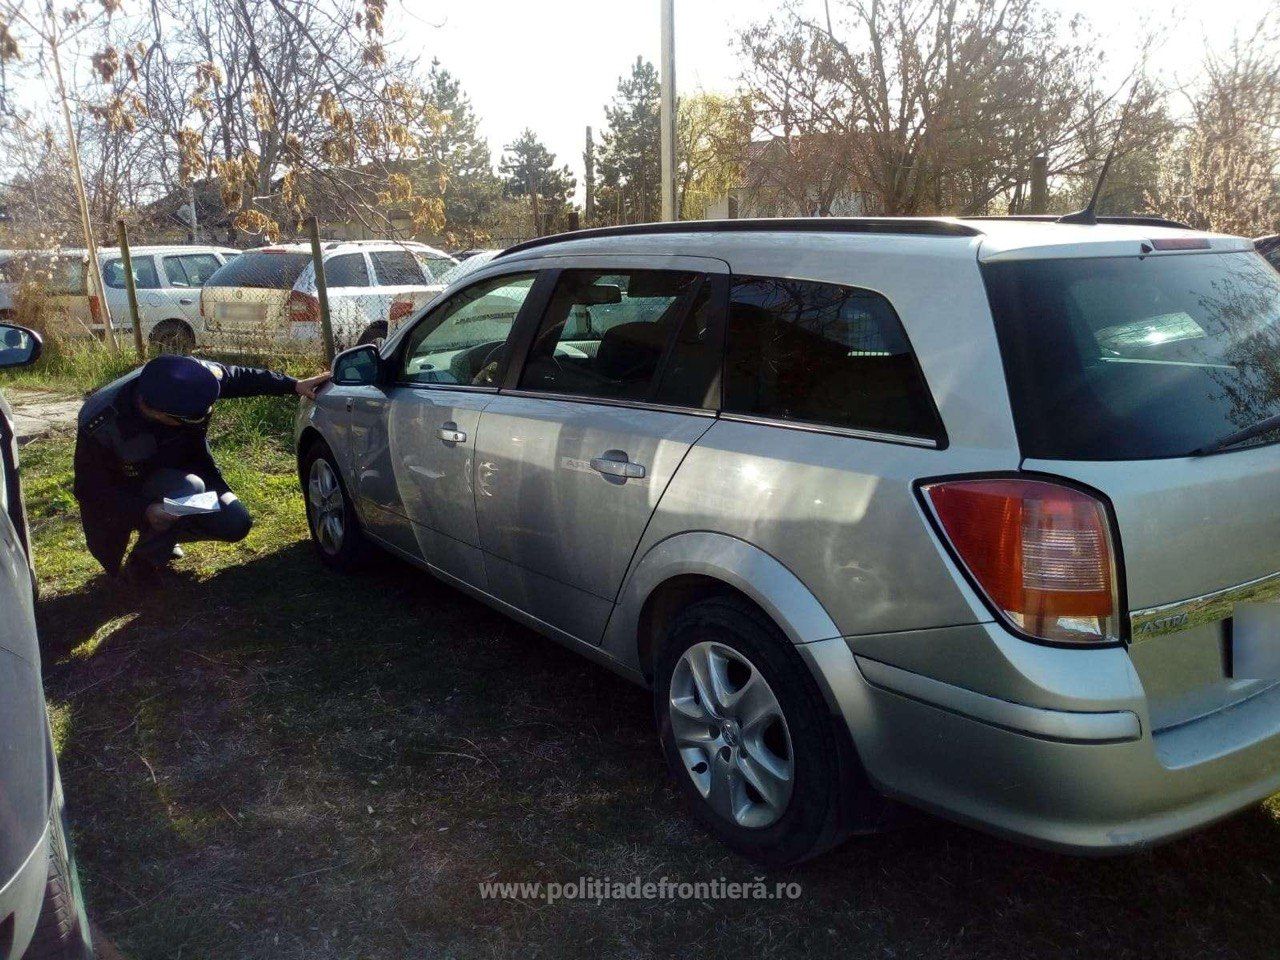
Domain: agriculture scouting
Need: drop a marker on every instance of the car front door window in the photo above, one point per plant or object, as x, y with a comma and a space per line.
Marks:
463, 341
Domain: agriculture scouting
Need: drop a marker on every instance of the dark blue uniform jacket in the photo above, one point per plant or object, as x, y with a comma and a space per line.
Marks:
117, 448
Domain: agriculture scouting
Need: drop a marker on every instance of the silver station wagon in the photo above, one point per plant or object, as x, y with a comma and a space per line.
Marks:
979, 515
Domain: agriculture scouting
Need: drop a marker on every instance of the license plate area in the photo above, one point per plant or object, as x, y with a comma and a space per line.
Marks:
1253, 642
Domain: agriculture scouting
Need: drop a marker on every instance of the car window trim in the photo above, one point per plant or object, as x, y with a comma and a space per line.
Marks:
397, 355
608, 402
907, 439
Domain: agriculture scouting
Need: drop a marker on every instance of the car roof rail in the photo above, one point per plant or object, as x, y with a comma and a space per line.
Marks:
918, 226
1123, 221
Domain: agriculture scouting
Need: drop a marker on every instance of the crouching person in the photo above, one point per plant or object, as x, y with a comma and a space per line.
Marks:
142, 440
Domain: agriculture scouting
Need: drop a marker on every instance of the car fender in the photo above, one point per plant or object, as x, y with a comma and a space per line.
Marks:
746, 568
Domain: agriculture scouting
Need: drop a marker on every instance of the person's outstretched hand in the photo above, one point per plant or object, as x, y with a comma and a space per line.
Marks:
308, 387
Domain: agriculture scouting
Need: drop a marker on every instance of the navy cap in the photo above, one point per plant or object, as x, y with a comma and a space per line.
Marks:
180, 386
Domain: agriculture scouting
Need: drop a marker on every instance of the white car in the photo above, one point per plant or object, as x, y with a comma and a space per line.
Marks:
269, 296
167, 279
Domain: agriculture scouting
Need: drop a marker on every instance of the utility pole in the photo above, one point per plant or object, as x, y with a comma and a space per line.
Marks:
96, 288
1038, 202
533, 199
195, 217
589, 175
667, 114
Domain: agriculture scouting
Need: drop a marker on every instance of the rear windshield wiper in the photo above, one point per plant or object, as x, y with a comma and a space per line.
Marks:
1240, 436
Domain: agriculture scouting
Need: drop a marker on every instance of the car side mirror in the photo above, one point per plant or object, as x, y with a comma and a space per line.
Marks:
19, 346
357, 367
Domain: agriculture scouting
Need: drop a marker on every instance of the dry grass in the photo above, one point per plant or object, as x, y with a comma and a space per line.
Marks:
274, 761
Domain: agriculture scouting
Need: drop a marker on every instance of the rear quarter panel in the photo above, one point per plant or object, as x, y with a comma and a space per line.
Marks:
839, 513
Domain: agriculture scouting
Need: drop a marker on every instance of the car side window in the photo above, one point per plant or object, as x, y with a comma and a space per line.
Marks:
190, 270
346, 270
609, 334
144, 273
396, 268
824, 354
464, 341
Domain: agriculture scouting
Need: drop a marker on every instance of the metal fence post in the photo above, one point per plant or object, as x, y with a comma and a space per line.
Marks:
126, 260
322, 288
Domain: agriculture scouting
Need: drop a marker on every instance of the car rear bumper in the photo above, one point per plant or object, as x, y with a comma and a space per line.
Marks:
1082, 781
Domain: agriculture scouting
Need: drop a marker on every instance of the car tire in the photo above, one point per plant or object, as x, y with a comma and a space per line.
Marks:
375, 333
826, 797
331, 516
60, 932
172, 336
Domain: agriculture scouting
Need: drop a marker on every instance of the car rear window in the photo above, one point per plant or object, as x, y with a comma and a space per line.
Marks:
1123, 358
823, 354
262, 269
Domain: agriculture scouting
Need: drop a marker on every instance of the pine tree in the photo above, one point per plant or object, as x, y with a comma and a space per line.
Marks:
630, 163
457, 154
529, 170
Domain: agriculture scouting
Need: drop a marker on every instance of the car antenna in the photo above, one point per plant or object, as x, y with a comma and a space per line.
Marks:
1089, 215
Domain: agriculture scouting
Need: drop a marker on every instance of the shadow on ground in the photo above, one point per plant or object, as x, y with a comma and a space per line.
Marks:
281, 762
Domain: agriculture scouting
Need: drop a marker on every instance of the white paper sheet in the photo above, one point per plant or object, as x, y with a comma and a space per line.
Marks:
196, 503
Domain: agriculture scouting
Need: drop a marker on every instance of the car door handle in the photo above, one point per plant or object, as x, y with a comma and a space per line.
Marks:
615, 466
186, 301
450, 433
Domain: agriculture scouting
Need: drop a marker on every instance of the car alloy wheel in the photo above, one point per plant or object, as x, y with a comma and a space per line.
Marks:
328, 511
731, 734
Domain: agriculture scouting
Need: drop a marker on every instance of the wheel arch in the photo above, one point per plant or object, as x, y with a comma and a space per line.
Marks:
689, 566
307, 437
151, 328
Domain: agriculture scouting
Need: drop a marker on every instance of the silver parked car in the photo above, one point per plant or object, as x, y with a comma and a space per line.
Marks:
983, 516
41, 910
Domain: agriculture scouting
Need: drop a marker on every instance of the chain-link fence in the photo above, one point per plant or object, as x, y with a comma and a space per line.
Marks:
301, 299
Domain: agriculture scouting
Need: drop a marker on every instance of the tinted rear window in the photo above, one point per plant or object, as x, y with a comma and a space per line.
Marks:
396, 268
1135, 358
823, 354
271, 271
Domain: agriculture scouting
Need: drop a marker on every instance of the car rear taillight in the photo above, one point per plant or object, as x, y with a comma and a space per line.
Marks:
399, 310
302, 308
1043, 554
